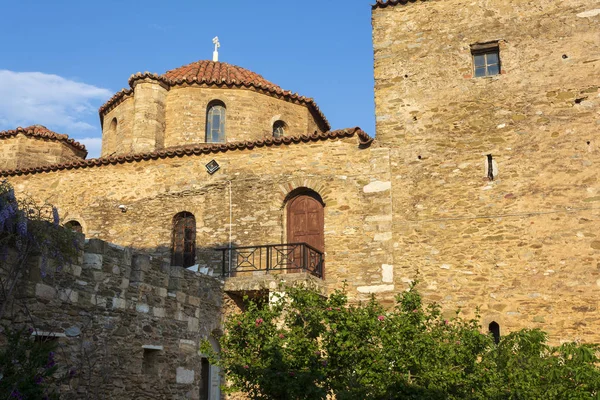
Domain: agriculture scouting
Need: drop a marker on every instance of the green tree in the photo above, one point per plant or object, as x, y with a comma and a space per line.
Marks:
307, 346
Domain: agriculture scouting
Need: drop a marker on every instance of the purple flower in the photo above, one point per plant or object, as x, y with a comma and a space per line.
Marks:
55, 217
22, 225
44, 265
39, 379
16, 394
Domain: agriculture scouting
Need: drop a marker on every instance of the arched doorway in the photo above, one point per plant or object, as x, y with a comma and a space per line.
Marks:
210, 376
306, 222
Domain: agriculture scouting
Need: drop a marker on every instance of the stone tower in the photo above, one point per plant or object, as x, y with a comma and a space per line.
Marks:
491, 113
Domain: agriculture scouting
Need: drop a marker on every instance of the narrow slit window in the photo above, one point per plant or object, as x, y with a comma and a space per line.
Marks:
490, 167
486, 59
215, 122
494, 329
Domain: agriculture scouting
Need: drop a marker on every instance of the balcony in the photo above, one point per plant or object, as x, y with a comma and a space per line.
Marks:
259, 268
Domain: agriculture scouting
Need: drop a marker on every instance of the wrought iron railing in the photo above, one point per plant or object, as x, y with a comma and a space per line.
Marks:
272, 258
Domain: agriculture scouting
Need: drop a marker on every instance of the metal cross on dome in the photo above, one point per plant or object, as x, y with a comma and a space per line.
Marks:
217, 45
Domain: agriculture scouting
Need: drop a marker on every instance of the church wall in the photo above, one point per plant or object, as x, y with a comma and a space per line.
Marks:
524, 246
24, 152
149, 117
119, 140
9, 152
128, 326
353, 183
249, 115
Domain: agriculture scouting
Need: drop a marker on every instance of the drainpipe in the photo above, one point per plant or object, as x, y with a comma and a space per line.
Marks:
230, 223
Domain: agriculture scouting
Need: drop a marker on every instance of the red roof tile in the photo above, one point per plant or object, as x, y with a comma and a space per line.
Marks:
40, 131
386, 3
215, 73
364, 140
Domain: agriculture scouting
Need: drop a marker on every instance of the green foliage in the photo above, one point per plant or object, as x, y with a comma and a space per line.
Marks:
306, 346
27, 367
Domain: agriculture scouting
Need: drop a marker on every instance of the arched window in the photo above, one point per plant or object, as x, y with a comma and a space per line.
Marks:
494, 329
279, 129
183, 250
74, 226
215, 122
112, 128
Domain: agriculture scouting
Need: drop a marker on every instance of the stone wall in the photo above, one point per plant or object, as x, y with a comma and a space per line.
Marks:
130, 322
154, 118
117, 138
9, 152
20, 151
524, 246
353, 182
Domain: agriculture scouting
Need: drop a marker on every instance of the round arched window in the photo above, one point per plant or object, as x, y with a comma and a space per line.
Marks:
74, 226
279, 128
215, 122
112, 128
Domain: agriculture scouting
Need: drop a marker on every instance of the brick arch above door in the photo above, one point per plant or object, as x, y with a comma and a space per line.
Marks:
288, 190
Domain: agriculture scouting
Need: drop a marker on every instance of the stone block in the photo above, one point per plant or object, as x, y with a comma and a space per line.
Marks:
92, 260
45, 292
96, 246
140, 262
184, 376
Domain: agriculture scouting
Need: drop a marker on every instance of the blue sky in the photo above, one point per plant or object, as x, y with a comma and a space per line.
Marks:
60, 60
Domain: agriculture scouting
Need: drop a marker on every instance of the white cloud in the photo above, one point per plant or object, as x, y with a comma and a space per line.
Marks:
61, 104
93, 146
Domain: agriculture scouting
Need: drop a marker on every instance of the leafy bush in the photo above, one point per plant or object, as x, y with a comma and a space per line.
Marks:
27, 367
306, 346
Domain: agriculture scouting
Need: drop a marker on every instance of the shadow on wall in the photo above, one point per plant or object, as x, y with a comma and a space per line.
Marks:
127, 323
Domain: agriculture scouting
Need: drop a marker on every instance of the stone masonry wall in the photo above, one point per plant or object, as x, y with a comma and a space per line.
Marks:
155, 118
524, 247
120, 140
9, 152
353, 182
24, 152
132, 320
249, 116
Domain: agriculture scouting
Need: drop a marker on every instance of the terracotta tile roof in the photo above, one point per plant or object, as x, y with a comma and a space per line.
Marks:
387, 3
40, 131
364, 140
220, 74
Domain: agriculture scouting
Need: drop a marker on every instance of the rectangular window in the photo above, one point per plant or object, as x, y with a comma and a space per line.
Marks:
486, 59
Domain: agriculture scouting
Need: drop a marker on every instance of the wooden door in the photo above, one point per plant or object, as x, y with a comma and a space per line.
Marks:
305, 223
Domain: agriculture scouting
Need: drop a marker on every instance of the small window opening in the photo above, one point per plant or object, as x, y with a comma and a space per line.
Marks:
490, 167
112, 128
204, 379
74, 226
279, 129
150, 362
486, 59
215, 122
494, 329
47, 338
183, 251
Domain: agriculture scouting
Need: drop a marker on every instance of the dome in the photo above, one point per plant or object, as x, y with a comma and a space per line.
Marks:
218, 72
215, 74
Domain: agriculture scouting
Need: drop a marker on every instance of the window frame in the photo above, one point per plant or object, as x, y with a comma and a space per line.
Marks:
183, 243
213, 106
486, 50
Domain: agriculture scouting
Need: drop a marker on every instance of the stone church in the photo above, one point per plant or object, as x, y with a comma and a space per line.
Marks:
481, 180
